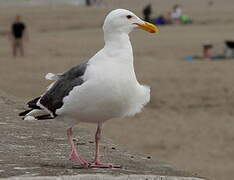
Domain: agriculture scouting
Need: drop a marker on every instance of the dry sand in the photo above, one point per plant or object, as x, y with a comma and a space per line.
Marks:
189, 121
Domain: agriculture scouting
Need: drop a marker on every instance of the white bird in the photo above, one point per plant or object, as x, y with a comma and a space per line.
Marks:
100, 89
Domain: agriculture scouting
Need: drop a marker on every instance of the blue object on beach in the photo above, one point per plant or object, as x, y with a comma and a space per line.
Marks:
189, 58
218, 57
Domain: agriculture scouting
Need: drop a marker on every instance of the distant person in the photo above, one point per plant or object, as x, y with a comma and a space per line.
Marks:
167, 16
147, 11
162, 19
17, 36
207, 50
88, 2
176, 14
208, 54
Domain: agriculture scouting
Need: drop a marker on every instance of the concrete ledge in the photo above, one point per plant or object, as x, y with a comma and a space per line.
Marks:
38, 150
105, 177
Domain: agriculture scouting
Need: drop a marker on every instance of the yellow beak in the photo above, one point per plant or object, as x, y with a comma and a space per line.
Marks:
149, 27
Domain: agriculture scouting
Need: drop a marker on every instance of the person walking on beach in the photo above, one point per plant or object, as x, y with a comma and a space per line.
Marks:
17, 35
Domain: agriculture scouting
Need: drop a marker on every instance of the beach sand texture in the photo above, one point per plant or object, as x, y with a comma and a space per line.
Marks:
189, 121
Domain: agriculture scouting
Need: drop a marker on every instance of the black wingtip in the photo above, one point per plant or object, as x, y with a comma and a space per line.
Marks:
33, 103
25, 112
44, 117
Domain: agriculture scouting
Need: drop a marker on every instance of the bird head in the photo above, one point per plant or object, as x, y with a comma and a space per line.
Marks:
122, 20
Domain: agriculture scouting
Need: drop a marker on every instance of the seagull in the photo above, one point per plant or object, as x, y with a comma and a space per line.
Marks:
103, 88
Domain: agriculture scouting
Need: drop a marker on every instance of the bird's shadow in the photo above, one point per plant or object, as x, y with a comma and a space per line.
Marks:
61, 166
71, 166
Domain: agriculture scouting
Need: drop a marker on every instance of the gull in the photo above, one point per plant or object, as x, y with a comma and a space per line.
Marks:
103, 88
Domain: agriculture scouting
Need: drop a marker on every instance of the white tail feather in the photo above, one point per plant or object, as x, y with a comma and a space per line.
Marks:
30, 118
52, 77
36, 112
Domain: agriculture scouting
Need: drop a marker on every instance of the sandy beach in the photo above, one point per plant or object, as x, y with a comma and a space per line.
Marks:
189, 121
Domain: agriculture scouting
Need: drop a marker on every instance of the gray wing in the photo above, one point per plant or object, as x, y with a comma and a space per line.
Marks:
53, 98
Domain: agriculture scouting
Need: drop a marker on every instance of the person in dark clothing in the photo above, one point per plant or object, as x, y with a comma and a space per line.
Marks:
88, 2
17, 36
147, 11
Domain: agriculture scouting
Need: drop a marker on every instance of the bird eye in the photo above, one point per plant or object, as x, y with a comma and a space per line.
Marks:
129, 16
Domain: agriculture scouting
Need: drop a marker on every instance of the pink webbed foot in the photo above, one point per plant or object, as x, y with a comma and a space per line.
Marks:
73, 156
97, 164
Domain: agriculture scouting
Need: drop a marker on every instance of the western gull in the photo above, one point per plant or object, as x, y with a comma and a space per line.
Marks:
103, 88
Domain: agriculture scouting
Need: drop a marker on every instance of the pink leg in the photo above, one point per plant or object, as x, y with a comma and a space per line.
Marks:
96, 163
74, 156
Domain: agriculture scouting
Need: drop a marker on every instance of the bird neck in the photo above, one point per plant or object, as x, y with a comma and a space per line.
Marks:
118, 46
118, 40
